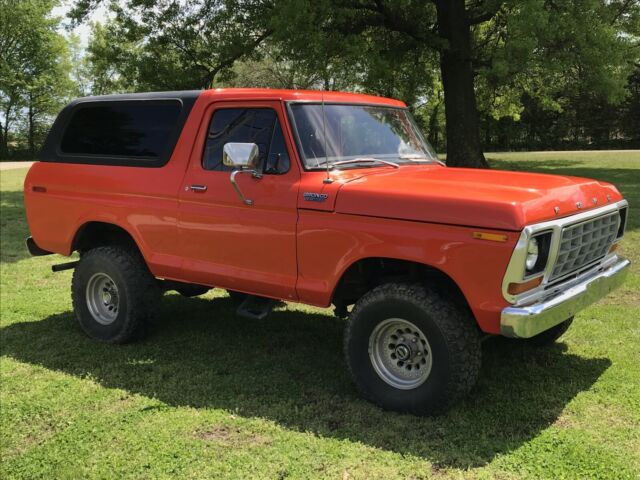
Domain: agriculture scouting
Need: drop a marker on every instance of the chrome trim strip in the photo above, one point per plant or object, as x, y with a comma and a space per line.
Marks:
298, 144
528, 321
516, 268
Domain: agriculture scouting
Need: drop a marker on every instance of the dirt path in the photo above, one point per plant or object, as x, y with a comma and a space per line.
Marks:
12, 165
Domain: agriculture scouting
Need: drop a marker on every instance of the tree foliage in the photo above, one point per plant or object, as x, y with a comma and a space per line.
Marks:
450, 55
34, 70
503, 73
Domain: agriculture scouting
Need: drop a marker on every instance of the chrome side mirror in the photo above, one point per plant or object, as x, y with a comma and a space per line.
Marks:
244, 158
240, 155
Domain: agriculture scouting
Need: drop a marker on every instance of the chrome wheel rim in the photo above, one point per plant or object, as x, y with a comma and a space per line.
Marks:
400, 353
102, 297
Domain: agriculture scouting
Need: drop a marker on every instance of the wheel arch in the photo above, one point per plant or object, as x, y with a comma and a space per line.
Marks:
366, 273
95, 233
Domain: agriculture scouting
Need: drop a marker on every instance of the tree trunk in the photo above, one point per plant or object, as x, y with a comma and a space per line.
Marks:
32, 143
487, 130
4, 135
3, 144
463, 125
434, 131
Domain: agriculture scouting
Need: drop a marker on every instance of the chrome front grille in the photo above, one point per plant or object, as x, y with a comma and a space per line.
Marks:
584, 243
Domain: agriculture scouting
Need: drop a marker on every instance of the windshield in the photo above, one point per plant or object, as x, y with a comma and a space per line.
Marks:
357, 132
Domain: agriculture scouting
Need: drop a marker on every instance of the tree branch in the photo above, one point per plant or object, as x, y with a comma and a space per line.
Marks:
483, 16
389, 19
621, 11
229, 61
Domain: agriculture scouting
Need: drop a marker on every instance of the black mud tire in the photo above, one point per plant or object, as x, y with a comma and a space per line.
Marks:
138, 292
192, 290
450, 330
549, 337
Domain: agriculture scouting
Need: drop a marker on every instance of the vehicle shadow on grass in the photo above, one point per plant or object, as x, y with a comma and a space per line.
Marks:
289, 368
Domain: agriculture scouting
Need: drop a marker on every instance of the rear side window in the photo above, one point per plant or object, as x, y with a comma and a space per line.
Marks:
131, 129
247, 125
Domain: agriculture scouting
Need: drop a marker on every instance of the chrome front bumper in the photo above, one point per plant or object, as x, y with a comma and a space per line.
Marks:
528, 321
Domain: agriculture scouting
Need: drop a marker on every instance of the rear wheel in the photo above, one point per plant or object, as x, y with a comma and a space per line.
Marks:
411, 350
114, 295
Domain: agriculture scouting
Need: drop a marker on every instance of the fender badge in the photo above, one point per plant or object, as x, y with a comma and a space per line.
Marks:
556, 210
594, 200
579, 205
608, 198
315, 197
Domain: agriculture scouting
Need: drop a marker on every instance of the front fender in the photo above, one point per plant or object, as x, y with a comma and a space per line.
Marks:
329, 243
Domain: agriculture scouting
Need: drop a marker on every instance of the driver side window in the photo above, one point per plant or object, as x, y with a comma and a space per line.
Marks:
247, 125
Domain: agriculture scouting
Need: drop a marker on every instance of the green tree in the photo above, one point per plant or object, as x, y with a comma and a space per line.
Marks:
34, 70
80, 74
111, 61
487, 53
164, 44
267, 67
630, 119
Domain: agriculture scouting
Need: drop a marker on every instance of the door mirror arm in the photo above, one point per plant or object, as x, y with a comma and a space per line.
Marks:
254, 173
244, 158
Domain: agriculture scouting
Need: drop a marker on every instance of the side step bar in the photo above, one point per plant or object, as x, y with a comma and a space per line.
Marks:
256, 308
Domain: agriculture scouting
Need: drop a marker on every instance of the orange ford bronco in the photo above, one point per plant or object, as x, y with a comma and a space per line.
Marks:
326, 199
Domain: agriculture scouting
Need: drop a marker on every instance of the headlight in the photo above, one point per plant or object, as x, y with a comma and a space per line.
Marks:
532, 254
537, 253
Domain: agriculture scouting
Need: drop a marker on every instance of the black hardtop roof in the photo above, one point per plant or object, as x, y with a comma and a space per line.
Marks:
51, 152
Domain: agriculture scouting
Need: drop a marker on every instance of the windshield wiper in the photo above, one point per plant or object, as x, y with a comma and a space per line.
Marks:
420, 158
365, 160
413, 156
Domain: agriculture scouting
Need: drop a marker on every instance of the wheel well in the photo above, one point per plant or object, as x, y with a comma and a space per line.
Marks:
98, 234
368, 273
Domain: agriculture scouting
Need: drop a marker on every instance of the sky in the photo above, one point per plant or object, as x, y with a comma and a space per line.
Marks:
84, 30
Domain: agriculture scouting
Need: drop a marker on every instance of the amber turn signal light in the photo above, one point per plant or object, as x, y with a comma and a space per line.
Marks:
517, 288
494, 237
613, 248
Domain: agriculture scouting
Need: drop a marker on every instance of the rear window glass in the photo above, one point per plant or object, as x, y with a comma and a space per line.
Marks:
131, 129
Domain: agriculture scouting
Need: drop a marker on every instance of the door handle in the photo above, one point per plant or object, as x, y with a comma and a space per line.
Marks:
198, 188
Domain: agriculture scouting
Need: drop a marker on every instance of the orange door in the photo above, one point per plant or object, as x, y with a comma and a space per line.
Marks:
225, 242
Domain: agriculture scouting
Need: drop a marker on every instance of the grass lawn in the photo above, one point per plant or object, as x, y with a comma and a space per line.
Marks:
207, 395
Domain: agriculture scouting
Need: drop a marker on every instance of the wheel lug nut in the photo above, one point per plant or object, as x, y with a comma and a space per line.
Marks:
413, 340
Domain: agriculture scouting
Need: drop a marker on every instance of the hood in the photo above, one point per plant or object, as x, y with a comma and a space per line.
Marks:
472, 197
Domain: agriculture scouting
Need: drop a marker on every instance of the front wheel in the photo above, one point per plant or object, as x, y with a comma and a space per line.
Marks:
411, 350
114, 295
